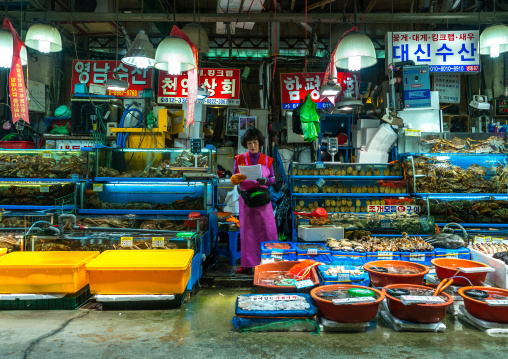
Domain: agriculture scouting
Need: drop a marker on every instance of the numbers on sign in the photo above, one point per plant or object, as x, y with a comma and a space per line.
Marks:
312, 251
157, 242
44, 188
126, 242
97, 187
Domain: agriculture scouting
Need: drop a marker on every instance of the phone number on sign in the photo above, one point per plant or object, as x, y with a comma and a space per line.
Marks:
128, 93
208, 101
455, 68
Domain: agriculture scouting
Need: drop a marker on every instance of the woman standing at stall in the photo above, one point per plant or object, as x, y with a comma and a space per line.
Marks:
257, 222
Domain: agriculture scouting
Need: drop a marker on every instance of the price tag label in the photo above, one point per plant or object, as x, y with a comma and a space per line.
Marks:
46, 154
97, 187
353, 300
320, 183
413, 133
276, 256
44, 188
126, 242
477, 270
479, 239
158, 242
304, 284
497, 240
385, 255
95, 127
320, 165
75, 177
424, 223
415, 299
312, 251
343, 277
417, 257
497, 303
452, 255
386, 223
261, 298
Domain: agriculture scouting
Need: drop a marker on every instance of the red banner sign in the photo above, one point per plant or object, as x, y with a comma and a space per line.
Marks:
96, 72
17, 90
296, 86
223, 85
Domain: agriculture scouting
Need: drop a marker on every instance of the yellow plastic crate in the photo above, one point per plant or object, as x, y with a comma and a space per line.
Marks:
140, 272
44, 272
3, 251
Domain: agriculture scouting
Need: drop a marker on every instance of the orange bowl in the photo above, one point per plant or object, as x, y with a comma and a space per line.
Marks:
482, 310
347, 313
380, 279
448, 267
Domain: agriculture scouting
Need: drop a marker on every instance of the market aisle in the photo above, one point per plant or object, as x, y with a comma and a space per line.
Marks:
202, 329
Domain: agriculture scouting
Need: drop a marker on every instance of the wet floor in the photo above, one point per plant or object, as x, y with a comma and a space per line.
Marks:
202, 329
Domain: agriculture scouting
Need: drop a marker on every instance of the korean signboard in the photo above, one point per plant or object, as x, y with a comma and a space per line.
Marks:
296, 86
443, 51
96, 72
223, 85
395, 209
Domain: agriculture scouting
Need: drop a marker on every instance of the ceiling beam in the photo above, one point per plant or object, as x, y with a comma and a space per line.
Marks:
321, 4
265, 17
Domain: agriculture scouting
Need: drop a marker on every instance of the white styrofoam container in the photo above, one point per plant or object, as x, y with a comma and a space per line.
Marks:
369, 123
500, 276
367, 134
371, 157
357, 139
310, 233
383, 139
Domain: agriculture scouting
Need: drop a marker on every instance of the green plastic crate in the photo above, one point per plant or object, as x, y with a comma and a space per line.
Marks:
69, 302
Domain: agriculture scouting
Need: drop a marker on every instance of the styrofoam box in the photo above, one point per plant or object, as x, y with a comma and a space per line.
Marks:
371, 157
367, 134
383, 139
369, 123
310, 233
357, 139
500, 276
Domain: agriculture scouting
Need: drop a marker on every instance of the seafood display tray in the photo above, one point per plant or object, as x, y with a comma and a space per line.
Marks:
350, 177
67, 302
456, 196
137, 179
500, 276
352, 195
140, 211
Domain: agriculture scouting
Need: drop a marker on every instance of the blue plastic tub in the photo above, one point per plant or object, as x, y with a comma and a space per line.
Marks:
461, 253
282, 254
418, 257
321, 254
344, 257
325, 279
379, 256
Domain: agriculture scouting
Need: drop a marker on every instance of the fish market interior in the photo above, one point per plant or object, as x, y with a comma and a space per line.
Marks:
253, 178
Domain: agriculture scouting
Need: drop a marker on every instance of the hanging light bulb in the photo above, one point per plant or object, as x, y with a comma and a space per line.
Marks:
44, 38
197, 35
6, 50
174, 55
355, 52
140, 53
494, 40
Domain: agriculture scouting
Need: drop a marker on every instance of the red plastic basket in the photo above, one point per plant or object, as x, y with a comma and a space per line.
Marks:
17, 145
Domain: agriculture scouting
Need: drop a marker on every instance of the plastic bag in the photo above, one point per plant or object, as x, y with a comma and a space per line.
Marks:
60, 130
232, 202
302, 270
310, 120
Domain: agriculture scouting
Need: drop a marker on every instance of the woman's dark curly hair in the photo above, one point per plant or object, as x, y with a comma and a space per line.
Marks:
253, 134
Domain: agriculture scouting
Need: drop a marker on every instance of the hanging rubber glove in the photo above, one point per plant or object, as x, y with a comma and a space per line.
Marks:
262, 181
237, 179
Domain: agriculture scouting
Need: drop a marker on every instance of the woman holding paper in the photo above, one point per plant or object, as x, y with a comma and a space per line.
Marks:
257, 222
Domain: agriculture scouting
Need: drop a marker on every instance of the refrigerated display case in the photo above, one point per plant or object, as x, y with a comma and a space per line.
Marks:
42, 195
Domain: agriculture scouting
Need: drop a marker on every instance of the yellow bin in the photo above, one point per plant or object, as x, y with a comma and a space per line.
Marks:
3, 251
140, 272
44, 272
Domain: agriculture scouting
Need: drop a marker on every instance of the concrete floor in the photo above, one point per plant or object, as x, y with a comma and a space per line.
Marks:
202, 329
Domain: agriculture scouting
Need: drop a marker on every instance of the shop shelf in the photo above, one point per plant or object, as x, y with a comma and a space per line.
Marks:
68, 302
140, 272
44, 272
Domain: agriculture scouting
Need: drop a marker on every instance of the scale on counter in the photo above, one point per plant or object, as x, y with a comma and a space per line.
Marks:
333, 147
483, 325
404, 326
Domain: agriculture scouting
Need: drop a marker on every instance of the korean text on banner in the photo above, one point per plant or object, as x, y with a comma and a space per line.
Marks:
443, 51
223, 85
296, 86
96, 72
17, 90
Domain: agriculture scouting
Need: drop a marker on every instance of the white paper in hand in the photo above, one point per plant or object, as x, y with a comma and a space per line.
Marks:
252, 172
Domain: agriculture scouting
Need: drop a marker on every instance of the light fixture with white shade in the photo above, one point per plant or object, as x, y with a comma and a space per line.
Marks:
203, 93
174, 55
348, 102
330, 89
44, 38
140, 53
116, 85
6, 50
355, 51
494, 40
197, 35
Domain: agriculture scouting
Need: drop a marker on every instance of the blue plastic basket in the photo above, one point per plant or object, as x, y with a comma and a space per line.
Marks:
319, 255
325, 279
461, 253
283, 254
380, 256
344, 257
418, 257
